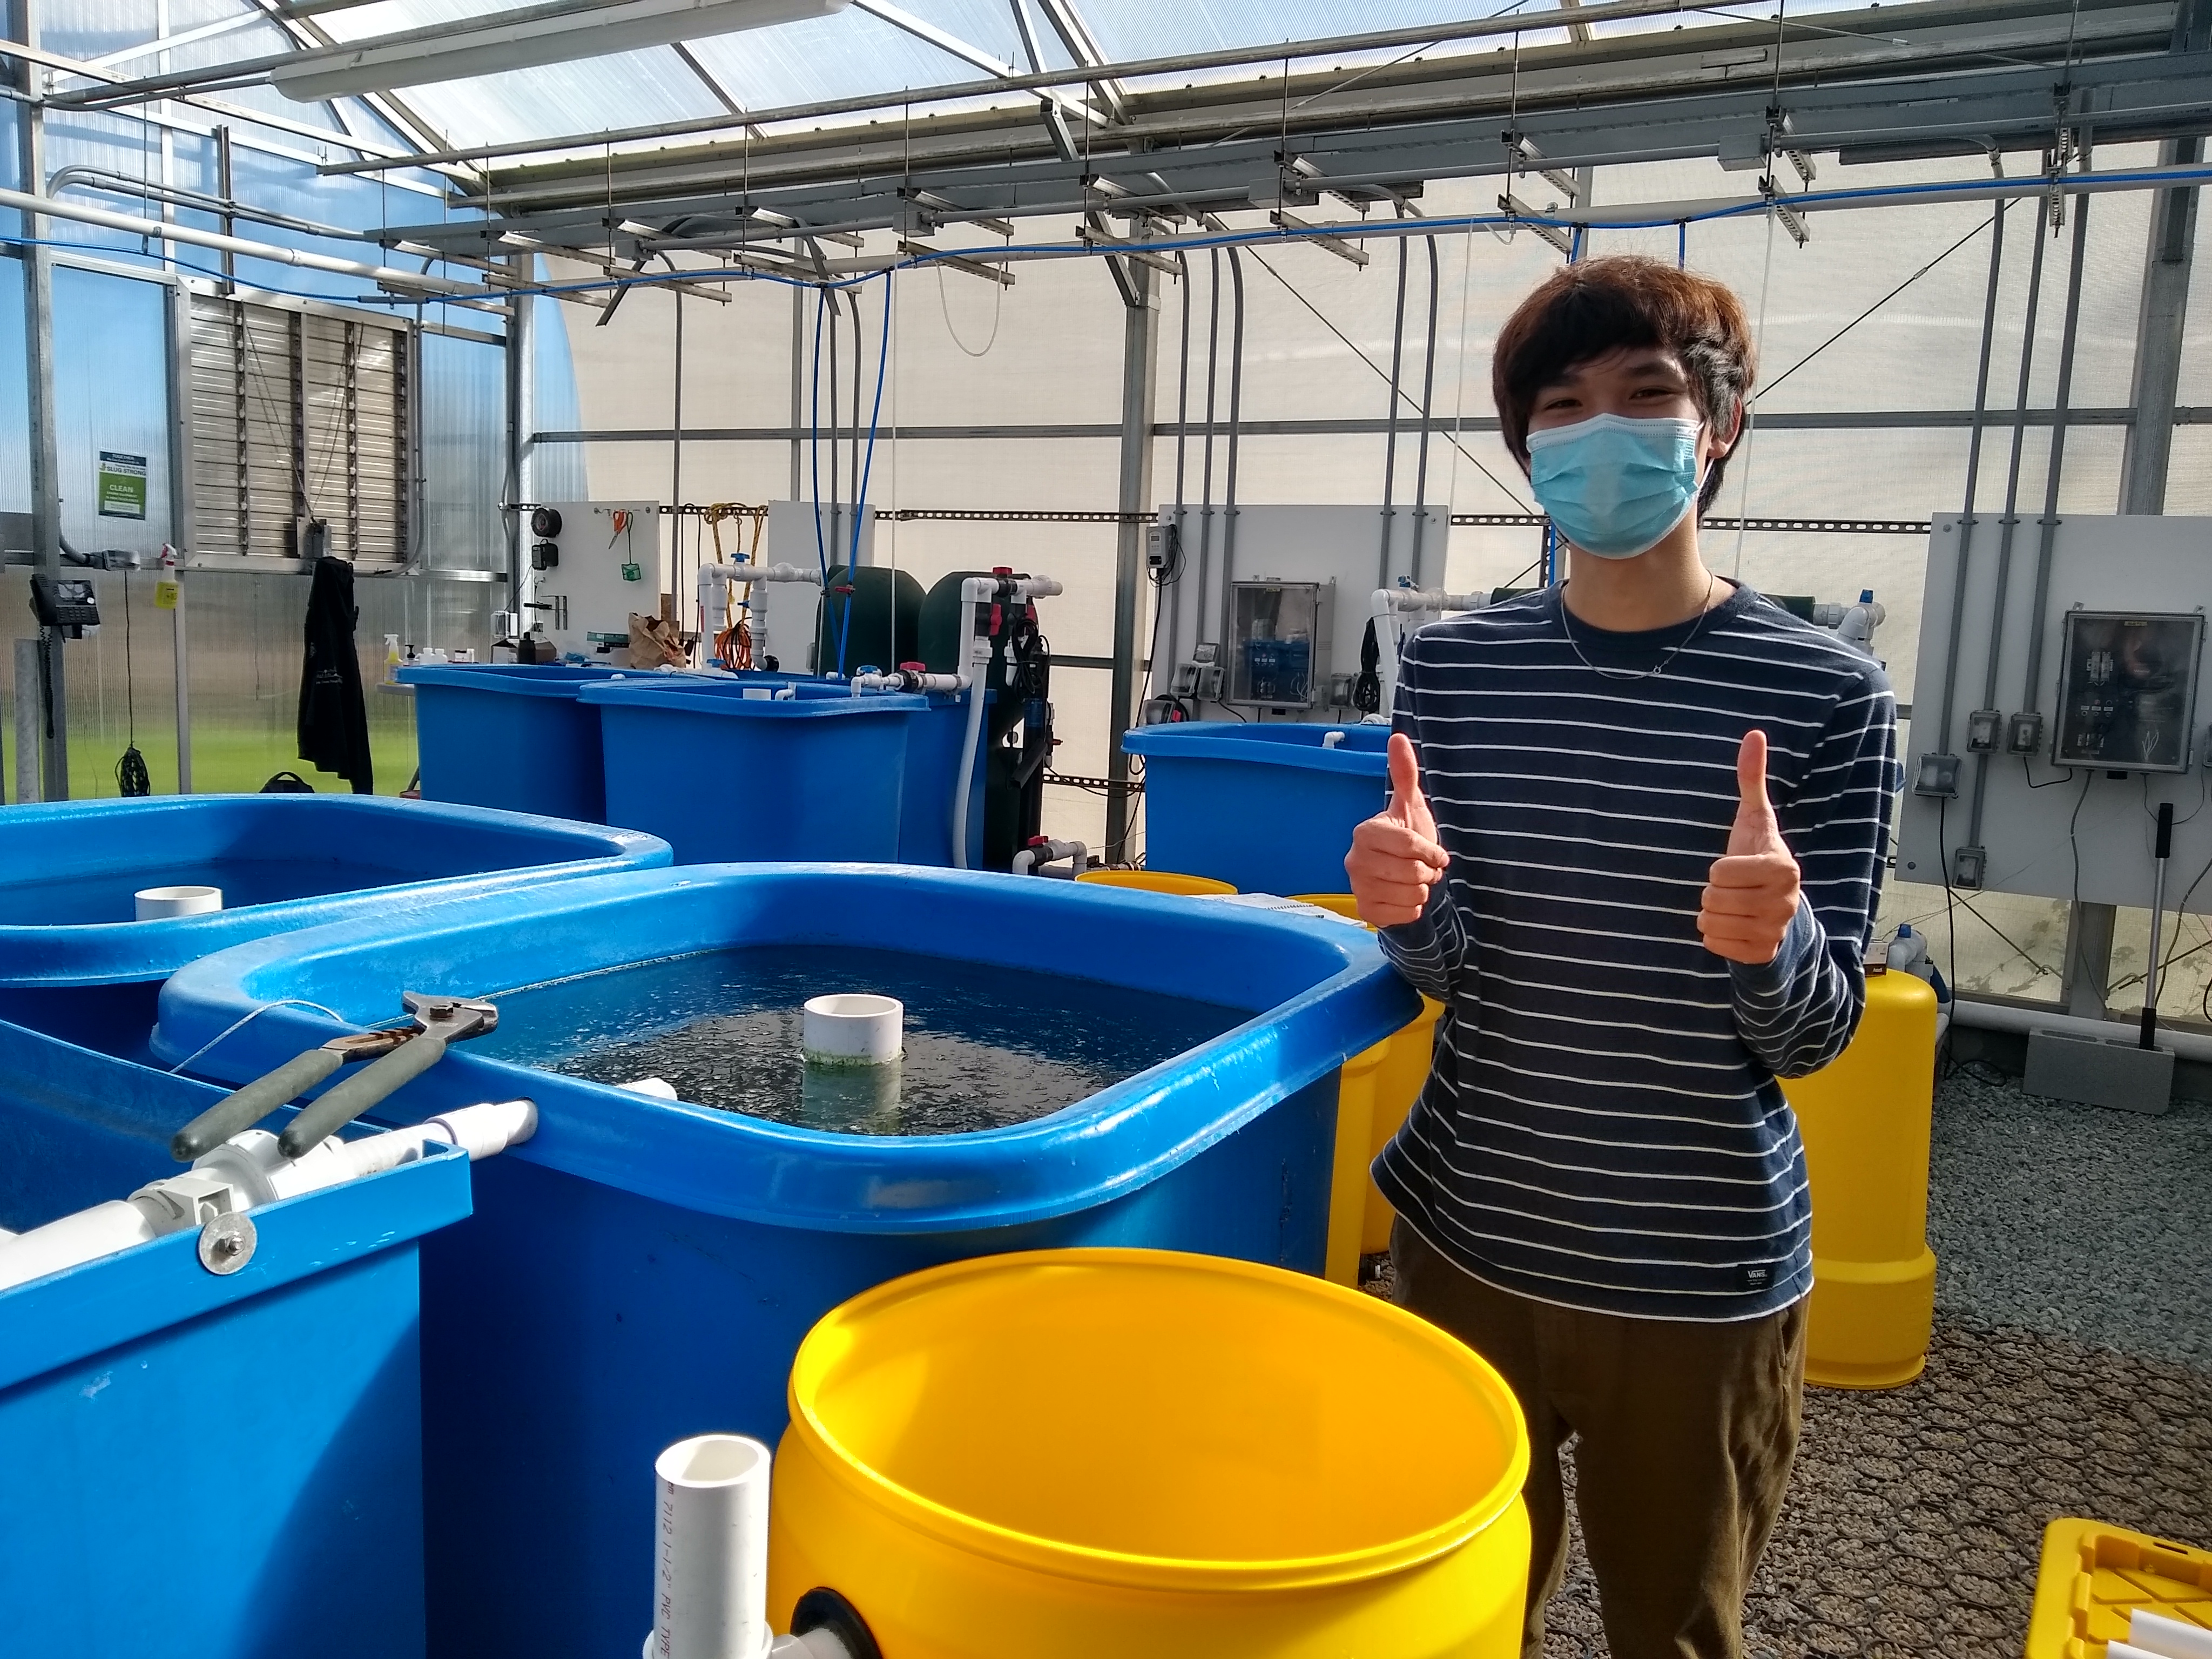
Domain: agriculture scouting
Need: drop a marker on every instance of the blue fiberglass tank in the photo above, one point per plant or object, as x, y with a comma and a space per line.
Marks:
642, 1270
75, 962
726, 769
199, 1465
1267, 808
510, 735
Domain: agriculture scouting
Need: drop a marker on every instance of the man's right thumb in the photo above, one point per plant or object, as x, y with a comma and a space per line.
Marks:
1404, 775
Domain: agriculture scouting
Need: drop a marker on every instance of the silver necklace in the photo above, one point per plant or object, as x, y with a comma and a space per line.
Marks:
1713, 582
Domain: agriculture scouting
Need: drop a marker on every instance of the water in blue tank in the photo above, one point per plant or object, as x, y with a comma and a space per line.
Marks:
986, 1047
99, 895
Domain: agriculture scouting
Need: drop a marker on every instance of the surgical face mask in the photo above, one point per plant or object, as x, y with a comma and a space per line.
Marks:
1615, 486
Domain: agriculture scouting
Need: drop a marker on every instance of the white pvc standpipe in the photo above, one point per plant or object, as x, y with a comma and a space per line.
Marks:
158, 904
853, 1028
710, 1554
966, 780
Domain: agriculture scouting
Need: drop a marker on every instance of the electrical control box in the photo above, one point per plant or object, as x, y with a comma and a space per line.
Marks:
1279, 644
2127, 690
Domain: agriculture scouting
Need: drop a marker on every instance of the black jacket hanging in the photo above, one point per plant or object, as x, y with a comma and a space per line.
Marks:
333, 719
1367, 689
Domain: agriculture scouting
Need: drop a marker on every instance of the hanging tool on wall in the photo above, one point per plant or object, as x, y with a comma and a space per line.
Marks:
396, 1057
2152, 970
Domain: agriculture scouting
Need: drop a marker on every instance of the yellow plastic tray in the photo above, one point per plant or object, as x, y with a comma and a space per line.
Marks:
2093, 1576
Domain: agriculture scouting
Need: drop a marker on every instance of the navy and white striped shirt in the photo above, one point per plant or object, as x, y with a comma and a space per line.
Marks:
1602, 1128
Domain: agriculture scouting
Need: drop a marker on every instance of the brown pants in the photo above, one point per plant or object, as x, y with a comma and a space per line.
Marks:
1685, 1435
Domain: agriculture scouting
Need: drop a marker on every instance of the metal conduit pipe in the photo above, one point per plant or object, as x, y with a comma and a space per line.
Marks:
2007, 525
111, 183
1390, 430
1428, 395
1171, 590
2055, 465
1236, 432
1205, 486
1966, 519
163, 230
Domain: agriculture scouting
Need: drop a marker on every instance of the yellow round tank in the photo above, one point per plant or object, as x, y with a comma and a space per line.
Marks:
1403, 1067
1104, 1453
1406, 1059
1865, 1120
1157, 881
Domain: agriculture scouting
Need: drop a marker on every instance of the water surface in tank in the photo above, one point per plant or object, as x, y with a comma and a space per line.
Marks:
985, 1047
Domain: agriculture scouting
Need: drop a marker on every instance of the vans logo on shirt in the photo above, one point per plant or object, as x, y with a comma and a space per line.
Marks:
1758, 1276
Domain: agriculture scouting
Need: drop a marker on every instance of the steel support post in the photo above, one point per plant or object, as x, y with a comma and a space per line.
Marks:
2144, 459
2166, 266
522, 416
1140, 369
182, 510
28, 717
39, 374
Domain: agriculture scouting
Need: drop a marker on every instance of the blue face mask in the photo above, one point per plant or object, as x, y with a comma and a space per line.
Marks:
1615, 486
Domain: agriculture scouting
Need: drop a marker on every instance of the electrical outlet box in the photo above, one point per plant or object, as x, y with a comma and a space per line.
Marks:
1967, 866
1939, 777
1982, 731
1197, 679
2025, 735
1156, 546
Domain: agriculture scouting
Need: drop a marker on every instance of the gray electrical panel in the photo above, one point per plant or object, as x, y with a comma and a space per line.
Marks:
1278, 654
2127, 690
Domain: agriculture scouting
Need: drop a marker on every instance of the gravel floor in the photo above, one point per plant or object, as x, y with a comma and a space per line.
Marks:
2071, 1374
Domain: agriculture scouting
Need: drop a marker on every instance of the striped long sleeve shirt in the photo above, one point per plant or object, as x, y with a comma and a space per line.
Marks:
1602, 1128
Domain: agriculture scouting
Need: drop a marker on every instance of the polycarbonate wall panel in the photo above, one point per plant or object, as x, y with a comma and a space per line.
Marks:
110, 395
245, 635
463, 414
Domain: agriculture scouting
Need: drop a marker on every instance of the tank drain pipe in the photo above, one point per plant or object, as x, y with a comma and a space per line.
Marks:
1041, 853
976, 594
716, 581
241, 1174
710, 1564
908, 676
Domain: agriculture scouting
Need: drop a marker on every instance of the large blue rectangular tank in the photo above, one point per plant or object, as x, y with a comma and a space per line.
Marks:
510, 735
726, 769
201, 1465
643, 1270
75, 963
1269, 808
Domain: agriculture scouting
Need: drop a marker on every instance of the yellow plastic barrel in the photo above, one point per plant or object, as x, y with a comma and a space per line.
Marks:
1104, 1453
1865, 1120
1157, 881
1404, 1057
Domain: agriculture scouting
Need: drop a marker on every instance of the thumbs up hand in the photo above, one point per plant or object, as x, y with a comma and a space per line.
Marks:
1395, 858
1751, 893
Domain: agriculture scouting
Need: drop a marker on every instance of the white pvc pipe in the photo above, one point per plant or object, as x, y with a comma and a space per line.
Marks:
245, 1172
966, 778
159, 903
853, 1030
85, 1236
2168, 1638
2002, 1017
710, 1550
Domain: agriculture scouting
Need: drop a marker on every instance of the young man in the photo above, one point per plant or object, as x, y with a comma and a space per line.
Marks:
1635, 840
